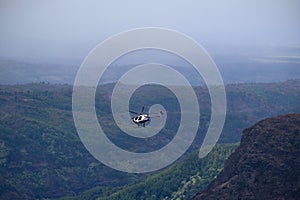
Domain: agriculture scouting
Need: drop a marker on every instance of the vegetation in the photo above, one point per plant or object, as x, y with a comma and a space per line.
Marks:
41, 155
179, 181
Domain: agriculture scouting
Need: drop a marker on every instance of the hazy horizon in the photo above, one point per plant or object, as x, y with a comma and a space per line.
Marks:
66, 31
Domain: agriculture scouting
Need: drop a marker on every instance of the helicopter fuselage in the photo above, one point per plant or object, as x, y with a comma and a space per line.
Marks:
141, 119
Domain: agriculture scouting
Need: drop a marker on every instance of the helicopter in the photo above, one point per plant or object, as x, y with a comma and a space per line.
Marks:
142, 118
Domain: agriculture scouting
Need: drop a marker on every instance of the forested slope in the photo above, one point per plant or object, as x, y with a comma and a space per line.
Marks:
41, 154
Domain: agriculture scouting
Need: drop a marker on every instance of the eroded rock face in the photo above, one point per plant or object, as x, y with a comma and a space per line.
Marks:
266, 165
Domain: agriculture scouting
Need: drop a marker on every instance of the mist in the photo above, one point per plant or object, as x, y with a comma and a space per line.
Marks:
66, 31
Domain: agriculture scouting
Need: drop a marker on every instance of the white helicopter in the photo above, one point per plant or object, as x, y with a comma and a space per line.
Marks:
141, 118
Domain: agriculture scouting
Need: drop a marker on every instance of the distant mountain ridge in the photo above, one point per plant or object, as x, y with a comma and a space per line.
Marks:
266, 165
234, 69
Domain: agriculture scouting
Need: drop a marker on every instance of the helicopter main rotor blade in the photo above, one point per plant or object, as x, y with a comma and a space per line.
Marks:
133, 112
142, 109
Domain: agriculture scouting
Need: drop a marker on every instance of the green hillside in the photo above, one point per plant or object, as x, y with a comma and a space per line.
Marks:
180, 181
41, 155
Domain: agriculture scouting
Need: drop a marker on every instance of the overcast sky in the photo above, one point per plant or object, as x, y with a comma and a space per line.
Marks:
69, 29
